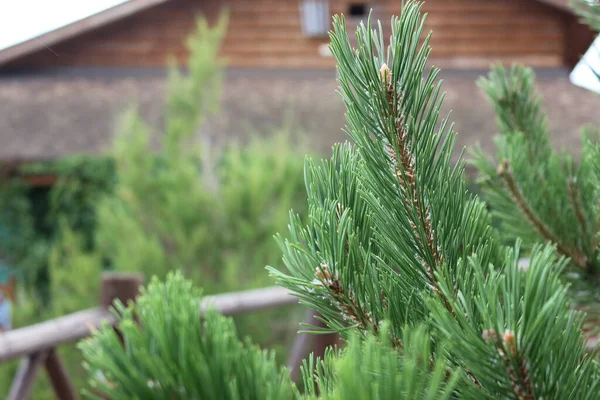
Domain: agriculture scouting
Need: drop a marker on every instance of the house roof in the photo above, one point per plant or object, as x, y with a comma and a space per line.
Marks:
87, 16
47, 117
75, 18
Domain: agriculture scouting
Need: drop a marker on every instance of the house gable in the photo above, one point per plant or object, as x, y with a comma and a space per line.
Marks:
268, 33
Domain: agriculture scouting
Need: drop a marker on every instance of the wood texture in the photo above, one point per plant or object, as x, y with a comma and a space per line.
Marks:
49, 334
59, 377
25, 377
119, 286
307, 343
267, 33
248, 301
70, 328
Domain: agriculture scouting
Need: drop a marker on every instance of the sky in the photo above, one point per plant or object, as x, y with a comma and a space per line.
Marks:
21, 20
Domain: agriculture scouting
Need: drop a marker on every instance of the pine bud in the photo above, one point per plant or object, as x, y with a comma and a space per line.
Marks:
508, 338
340, 210
386, 74
502, 168
489, 335
323, 273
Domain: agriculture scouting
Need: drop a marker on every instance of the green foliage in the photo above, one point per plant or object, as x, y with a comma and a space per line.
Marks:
258, 184
160, 204
536, 193
213, 218
21, 249
393, 237
397, 257
371, 368
82, 180
74, 278
161, 201
210, 213
74, 274
350, 258
202, 358
199, 358
588, 11
526, 334
30, 218
155, 205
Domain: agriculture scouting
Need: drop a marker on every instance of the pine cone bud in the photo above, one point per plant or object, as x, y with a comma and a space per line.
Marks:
490, 335
386, 74
503, 167
323, 272
508, 338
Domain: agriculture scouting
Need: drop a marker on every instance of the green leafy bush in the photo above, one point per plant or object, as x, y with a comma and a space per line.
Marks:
202, 358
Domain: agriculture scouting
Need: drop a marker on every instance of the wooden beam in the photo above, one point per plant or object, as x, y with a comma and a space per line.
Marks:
249, 300
25, 378
59, 377
307, 343
46, 335
70, 328
119, 286
77, 28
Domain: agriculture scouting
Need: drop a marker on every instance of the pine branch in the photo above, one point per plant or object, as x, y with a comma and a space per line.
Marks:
409, 245
589, 238
406, 174
518, 107
505, 173
588, 11
507, 350
346, 302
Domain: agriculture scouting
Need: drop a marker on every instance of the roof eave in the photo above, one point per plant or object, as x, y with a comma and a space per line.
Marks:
76, 28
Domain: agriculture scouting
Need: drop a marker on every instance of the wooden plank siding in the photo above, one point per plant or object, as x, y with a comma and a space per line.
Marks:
267, 33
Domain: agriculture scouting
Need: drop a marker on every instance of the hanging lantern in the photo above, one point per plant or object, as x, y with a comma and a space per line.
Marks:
315, 18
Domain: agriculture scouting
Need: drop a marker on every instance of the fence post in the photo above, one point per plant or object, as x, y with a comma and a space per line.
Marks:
305, 342
119, 286
59, 377
25, 378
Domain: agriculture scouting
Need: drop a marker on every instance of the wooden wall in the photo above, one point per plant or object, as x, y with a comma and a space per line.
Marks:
475, 32
267, 33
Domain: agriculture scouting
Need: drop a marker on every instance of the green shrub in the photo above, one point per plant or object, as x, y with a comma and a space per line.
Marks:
152, 209
204, 359
190, 349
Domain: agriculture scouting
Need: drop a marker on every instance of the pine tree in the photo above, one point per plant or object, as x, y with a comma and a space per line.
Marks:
537, 193
396, 256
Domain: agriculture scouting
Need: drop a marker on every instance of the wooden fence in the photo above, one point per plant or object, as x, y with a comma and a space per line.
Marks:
36, 344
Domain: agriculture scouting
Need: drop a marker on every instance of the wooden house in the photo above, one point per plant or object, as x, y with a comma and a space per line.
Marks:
61, 88
292, 33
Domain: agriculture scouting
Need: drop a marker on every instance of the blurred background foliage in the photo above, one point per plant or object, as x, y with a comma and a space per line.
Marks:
155, 203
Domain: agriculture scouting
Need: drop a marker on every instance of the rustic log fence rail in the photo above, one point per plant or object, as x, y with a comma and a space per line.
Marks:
36, 344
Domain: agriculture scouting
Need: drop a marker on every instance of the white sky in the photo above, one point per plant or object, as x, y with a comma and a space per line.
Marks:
21, 20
